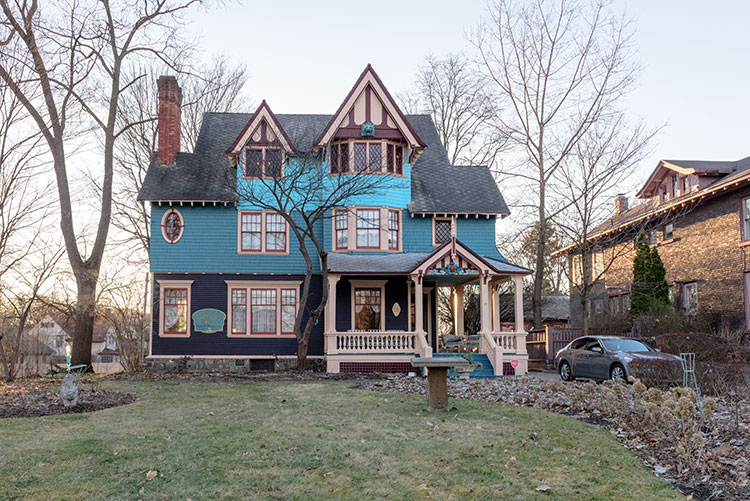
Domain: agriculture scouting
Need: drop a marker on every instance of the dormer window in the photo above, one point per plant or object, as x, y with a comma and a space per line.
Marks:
265, 161
367, 156
675, 186
685, 184
664, 194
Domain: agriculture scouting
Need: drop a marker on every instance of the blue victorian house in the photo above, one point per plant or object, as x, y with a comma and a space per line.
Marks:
227, 274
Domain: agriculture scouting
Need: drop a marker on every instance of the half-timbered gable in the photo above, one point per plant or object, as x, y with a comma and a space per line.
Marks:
227, 274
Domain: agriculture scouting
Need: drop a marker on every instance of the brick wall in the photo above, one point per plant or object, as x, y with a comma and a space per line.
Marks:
705, 248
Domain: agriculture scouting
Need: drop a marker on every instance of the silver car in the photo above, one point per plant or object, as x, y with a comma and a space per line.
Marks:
604, 357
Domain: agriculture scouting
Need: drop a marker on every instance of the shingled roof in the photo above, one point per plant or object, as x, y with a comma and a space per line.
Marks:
206, 175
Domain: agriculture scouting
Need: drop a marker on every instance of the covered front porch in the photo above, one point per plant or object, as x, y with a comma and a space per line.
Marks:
382, 309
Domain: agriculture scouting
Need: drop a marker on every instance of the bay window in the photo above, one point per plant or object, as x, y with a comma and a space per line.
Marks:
367, 156
261, 232
393, 229
341, 222
368, 228
271, 311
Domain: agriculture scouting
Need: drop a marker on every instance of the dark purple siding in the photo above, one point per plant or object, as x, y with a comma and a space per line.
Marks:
395, 292
210, 291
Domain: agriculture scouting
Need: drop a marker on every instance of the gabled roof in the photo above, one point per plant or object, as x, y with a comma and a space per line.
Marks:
370, 79
206, 176
256, 126
685, 167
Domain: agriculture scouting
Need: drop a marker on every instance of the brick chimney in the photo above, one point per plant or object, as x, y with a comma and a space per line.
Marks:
621, 203
168, 125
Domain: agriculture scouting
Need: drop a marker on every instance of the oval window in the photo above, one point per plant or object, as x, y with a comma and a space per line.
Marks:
171, 226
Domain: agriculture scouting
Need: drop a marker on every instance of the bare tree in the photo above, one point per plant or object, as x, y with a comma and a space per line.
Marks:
216, 88
452, 92
605, 160
305, 195
78, 54
20, 301
557, 66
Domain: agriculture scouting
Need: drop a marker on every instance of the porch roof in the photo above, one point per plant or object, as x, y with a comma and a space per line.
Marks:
375, 263
402, 263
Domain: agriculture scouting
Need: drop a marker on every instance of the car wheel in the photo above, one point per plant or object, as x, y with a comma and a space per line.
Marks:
617, 373
565, 373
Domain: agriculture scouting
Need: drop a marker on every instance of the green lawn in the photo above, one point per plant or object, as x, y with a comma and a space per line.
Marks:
316, 440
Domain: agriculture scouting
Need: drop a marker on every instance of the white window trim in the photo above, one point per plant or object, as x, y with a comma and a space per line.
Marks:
257, 284
453, 228
262, 250
685, 300
351, 224
368, 284
182, 225
175, 284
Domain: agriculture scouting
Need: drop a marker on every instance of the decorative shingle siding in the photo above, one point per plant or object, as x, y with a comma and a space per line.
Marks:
210, 291
209, 245
706, 249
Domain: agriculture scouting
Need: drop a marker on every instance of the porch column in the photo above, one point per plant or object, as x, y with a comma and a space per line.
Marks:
495, 307
458, 307
484, 305
418, 304
518, 300
330, 324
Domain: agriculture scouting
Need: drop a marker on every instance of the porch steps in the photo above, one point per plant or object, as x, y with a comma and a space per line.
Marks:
484, 369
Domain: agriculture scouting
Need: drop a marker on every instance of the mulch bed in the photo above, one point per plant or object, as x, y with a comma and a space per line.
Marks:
35, 397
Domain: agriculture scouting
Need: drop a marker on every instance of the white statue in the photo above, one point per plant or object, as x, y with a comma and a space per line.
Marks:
69, 390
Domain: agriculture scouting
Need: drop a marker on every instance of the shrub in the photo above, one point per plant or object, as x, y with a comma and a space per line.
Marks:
657, 373
707, 348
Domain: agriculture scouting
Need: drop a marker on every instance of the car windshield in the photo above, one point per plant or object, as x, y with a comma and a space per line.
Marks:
621, 344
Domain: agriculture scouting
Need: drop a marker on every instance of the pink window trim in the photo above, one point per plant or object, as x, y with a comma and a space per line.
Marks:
231, 327
274, 304
164, 308
242, 231
394, 226
264, 239
281, 309
367, 228
345, 228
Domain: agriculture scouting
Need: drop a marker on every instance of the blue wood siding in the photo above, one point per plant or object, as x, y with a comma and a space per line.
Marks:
210, 291
209, 245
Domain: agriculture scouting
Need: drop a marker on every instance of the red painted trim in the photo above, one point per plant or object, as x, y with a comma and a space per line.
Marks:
356, 133
281, 309
388, 96
397, 229
235, 143
274, 304
242, 232
368, 108
266, 232
336, 229
230, 328
164, 308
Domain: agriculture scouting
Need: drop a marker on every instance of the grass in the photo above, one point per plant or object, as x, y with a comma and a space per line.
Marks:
314, 440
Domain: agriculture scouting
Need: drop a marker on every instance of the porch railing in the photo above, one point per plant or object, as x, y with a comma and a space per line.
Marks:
377, 342
489, 347
510, 342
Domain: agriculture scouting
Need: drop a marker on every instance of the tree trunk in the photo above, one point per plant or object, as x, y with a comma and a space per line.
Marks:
536, 299
84, 321
302, 345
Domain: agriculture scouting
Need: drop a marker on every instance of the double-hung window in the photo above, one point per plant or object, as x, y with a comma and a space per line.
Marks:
262, 232
690, 298
368, 228
685, 184
745, 219
262, 308
341, 222
393, 229
239, 311
174, 305
367, 309
668, 231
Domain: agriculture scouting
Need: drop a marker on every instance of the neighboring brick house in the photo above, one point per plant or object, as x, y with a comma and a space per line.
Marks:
697, 213
227, 275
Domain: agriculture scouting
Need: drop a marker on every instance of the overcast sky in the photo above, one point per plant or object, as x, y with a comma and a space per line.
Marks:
304, 56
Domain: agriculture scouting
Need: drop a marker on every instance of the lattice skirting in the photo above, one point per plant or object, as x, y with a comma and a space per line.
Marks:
508, 369
397, 367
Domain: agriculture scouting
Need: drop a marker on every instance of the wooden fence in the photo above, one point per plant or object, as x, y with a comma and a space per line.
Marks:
542, 344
